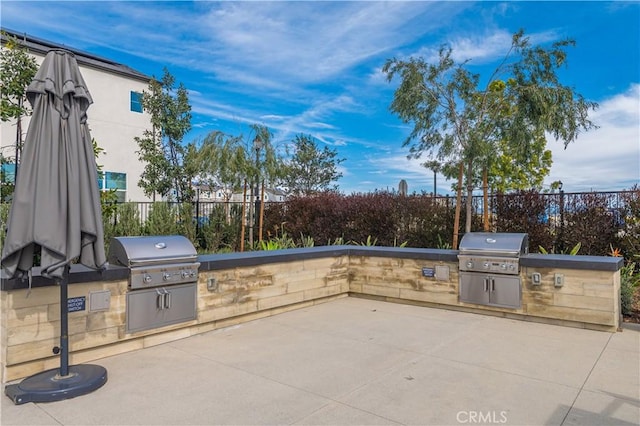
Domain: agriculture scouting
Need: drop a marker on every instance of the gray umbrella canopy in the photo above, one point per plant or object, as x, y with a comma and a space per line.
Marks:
56, 203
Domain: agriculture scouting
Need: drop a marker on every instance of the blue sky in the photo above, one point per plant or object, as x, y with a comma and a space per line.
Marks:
313, 67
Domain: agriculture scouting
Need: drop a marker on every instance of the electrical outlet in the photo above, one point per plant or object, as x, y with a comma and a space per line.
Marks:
212, 284
558, 280
536, 279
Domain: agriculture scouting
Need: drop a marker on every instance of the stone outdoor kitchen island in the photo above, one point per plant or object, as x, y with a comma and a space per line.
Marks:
238, 287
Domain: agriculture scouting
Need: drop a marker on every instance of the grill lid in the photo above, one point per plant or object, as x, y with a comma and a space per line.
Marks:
494, 244
154, 250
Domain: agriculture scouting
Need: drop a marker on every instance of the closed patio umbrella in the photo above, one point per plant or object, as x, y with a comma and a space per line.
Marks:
56, 206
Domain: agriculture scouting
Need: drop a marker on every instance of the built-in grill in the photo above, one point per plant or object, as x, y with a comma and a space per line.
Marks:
492, 252
489, 266
162, 281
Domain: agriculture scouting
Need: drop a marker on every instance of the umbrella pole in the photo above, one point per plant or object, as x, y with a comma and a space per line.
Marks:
64, 323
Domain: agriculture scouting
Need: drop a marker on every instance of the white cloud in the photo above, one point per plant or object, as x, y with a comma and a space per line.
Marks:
607, 158
482, 48
295, 40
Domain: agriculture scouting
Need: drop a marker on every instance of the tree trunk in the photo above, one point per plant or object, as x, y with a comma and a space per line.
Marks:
252, 216
485, 206
261, 212
469, 204
227, 206
18, 141
456, 221
244, 216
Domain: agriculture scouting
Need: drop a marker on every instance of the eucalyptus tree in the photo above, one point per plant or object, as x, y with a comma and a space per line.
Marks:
166, 171
459, 119
311, 169
17, 69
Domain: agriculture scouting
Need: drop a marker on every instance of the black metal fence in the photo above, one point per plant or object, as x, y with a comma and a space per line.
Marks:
555, 221
555, 204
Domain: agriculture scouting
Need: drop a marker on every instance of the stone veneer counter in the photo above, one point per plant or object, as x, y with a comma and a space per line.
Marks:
237, 287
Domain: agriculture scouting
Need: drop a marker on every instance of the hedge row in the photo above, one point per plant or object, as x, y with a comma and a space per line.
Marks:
600, 222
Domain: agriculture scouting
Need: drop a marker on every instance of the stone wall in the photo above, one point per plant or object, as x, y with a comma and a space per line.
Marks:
587, 297
31, 327
236, 288
403, 279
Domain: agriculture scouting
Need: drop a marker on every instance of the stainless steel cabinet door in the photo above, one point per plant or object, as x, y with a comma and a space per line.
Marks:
505, 291
474, 288
492, 290
161, 306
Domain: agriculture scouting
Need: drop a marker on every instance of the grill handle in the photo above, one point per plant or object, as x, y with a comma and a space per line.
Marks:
144, 261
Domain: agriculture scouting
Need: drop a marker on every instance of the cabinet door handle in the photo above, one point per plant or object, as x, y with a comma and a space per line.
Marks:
493, 285
160, 299
485, 282
167, 299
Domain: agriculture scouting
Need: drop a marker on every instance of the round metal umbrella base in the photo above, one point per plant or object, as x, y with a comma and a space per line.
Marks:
49, 386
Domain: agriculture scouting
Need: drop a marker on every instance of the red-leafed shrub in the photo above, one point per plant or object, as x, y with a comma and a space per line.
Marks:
530, 212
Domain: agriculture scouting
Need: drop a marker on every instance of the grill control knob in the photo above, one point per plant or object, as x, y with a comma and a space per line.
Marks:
469, 264
503, 266
485, 265
512, 267
147, 278
192, 274
166, 276
184, 274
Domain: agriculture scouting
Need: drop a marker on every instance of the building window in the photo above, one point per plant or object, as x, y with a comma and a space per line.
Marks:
8, 172
114, 181
136, 101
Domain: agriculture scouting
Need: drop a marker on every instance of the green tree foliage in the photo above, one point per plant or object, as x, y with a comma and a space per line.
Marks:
508, 172
4, 218
262, 162
231, 162
228, 161
168, 169
163, 219
17, 69
220, 162
311, 169
459, 120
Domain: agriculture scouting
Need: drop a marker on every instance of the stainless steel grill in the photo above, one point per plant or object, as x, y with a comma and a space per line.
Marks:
489, 266
492, 252
155, 261
162, 281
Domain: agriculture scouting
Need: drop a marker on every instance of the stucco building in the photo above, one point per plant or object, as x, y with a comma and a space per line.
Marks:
115, 117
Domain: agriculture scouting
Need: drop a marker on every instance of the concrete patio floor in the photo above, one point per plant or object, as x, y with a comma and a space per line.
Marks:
356, 361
